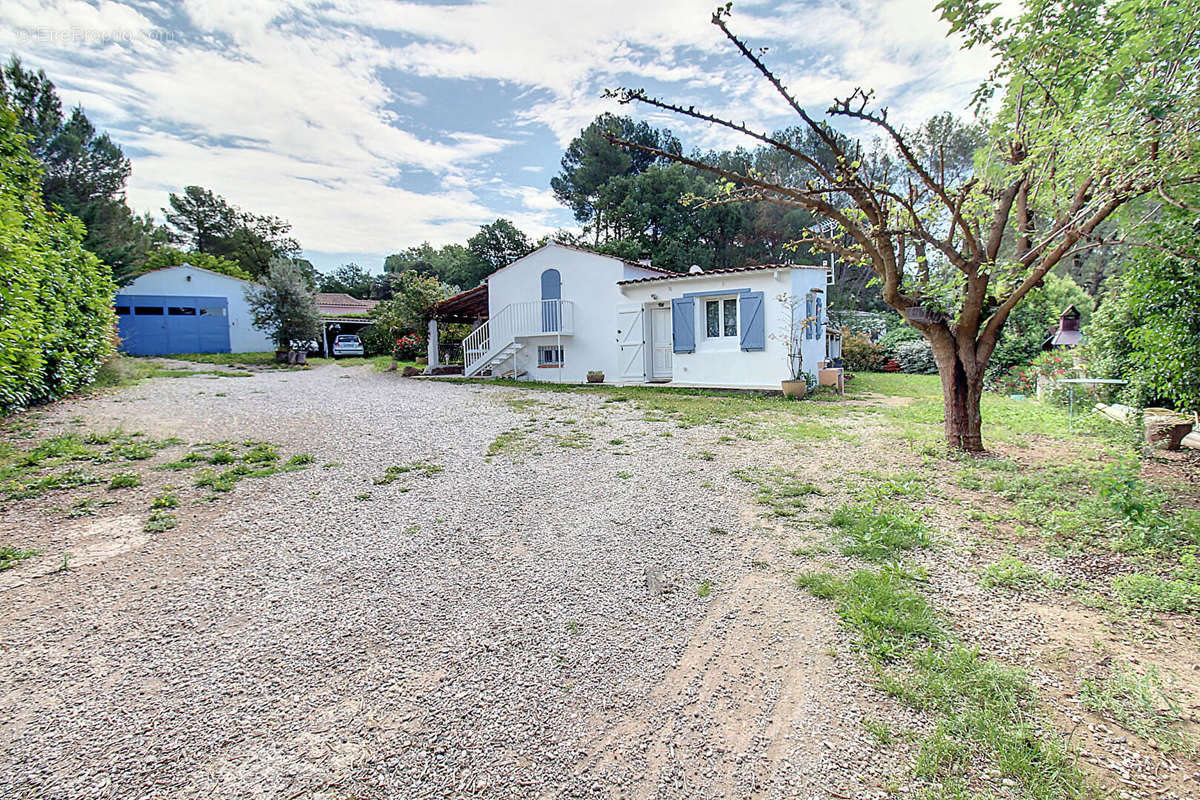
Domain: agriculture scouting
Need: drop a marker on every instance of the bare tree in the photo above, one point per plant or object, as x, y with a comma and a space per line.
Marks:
1097, 105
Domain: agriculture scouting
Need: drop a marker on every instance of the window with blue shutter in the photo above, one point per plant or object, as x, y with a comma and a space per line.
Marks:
820, 322
754, 328
808, 315
683, 324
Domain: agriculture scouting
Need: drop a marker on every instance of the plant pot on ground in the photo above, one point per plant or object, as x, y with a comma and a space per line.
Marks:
595, 376
794, 388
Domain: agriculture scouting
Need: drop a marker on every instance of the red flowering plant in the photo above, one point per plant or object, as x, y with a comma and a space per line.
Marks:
1021, 379
408, 347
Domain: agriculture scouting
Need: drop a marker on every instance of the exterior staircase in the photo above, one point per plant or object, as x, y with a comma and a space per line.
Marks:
499, 339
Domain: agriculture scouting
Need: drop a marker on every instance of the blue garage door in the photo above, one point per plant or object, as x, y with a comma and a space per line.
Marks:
154, 325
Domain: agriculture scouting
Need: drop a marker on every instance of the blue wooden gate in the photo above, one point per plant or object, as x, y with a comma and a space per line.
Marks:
156, 325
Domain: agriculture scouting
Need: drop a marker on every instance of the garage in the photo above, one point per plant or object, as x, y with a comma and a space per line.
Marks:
155, 325
185, 309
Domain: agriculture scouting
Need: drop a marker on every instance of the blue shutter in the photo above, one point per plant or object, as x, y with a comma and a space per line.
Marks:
683, 324
808, 314
820, 322
754, 328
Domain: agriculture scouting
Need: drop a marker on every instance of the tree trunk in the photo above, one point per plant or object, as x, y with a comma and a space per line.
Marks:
962, 390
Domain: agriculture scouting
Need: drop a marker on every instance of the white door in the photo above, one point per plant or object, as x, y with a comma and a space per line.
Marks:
631, 342
660, 343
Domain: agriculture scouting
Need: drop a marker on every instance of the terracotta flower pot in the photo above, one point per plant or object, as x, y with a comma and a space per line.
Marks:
595, 377
793, 389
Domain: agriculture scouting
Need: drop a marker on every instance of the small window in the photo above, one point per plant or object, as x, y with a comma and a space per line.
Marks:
730, 317
181, 311
550, 356
721, 318
212, 312
148, 311
123, 311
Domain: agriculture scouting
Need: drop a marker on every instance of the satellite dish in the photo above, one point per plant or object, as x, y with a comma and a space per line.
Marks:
695, 270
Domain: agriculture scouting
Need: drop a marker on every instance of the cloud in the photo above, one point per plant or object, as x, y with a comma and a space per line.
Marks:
353, 120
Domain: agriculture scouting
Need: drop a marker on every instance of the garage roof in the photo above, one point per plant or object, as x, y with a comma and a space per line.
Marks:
339, 304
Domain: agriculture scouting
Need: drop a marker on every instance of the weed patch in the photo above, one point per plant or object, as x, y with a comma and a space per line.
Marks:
125, 480
1011, 572
11, 556
1178, 593
165, 500
511, 441
160, 521
394, 473
780, 491
986, 710
1143, 703
878, 532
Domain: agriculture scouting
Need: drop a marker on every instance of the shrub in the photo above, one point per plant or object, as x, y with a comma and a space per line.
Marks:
284, 307
408, 347
1017, 380
55, 297
1033, 319
897, 336
376, 340
916, 357
860, 354
1145, 329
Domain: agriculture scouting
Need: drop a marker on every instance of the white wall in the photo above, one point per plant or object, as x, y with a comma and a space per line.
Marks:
722, 362
589, 280
189, 281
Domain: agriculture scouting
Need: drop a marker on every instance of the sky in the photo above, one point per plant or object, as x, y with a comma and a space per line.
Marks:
373, 125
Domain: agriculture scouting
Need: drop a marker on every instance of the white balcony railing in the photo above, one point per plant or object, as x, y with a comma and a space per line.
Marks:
516, 320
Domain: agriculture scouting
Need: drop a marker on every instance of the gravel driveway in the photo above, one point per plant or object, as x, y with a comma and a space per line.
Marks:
483, 631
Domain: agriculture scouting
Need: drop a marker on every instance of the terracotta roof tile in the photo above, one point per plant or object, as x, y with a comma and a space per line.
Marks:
723, 271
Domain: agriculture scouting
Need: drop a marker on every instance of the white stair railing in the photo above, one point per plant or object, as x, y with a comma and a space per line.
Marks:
531, 318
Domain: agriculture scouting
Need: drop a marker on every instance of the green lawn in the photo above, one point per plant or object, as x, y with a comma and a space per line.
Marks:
268, 360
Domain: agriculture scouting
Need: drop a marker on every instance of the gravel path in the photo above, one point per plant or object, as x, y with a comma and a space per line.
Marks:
485, 631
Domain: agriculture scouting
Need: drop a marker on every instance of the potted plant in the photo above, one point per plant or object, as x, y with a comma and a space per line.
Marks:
595, 376
791, 334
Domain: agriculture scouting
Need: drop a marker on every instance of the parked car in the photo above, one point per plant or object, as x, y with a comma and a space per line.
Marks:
347, 344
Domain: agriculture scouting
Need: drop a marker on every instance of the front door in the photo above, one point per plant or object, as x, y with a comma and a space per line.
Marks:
660, 342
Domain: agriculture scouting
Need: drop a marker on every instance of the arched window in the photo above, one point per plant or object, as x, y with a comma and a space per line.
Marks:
551, 291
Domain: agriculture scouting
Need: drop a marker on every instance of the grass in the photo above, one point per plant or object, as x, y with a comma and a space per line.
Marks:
394, 473
260, 453
779, 490
887, 614
704, 589
1178, 592
878, 532
987, 718
1012, 573
507, 443
1143, 703
11, 556
229, 359
124, 371
573, 440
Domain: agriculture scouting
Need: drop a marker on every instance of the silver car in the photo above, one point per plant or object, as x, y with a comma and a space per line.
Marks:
347, 344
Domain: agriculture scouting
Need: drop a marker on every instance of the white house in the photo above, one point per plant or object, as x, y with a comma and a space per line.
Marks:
561, 312
186, 309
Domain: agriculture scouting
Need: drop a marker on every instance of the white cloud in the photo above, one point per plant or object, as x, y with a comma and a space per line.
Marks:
286, 106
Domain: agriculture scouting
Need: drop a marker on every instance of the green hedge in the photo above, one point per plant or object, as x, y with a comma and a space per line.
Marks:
56, 314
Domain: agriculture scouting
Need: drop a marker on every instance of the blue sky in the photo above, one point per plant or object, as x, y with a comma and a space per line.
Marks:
373, 125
